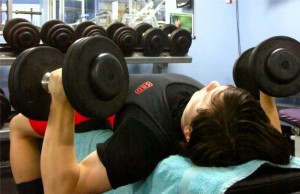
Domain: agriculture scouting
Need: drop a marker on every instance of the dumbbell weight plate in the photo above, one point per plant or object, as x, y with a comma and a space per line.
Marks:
243, 75
126, 38
23, 35
154, 41
5, 109
61, 36
169, 28
46, 27
276, 65
112, 28
180, 42
2, 92
12, 98
95, 76
140, 29
9, 24
94, 30
26, 92
81, 27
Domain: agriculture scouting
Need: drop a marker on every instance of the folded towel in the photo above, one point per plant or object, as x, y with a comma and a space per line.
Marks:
177, 174
85, 143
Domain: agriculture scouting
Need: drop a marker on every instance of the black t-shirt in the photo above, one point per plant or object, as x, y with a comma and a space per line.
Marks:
138, 143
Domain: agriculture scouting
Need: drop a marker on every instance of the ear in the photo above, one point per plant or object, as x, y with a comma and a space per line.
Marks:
187, 133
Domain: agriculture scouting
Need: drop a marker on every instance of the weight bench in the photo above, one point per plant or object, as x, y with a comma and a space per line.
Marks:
292, 117
177, 174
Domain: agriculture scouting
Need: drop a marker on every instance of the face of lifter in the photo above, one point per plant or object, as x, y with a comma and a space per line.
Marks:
200, 100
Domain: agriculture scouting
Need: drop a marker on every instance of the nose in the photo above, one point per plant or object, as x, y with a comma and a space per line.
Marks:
212, 85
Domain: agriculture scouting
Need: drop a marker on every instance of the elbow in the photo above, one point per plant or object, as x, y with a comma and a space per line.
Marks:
63, 181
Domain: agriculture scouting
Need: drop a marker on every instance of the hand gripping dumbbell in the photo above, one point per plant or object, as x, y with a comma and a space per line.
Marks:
5, 108
20, 34
94, 76
125, 37
89, 28
272, 67
57, 34
179, 40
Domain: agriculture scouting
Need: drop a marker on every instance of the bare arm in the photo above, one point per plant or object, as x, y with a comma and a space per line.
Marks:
61, 172
269, 106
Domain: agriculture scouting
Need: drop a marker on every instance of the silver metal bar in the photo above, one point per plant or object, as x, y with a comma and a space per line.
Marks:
28, 12
9, 9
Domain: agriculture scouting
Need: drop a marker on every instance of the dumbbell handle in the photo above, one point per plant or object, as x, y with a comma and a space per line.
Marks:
296, 131
45, 81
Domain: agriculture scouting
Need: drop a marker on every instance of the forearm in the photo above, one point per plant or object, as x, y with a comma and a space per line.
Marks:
269, 106
60, 171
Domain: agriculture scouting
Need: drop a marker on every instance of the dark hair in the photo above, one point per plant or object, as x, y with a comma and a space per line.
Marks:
233, 131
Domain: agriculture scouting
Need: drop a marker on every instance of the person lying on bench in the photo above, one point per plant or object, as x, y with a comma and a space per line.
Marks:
164, 114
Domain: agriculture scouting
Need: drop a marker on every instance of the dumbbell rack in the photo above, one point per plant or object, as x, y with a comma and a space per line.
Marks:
159, 63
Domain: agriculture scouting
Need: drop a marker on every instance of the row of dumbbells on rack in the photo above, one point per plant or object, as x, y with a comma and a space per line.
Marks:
20, 35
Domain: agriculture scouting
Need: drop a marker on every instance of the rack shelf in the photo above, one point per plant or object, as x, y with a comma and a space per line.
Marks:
159, 63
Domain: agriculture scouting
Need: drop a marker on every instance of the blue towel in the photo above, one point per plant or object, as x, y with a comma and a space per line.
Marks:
85, 143
177, 174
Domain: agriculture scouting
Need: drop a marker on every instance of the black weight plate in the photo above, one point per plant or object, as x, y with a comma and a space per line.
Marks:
94, 30
126, 38
154, 41
243, 74
180, 42
25, 78
12, 97
2, 92
112, 28
140, 29
46, 27
11, 32
24, 36
276, 65
77, 76
4, 109
9, 24
61, 36
81, 27
169, 28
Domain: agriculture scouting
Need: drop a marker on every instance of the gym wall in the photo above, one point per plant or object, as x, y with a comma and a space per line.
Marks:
215, 48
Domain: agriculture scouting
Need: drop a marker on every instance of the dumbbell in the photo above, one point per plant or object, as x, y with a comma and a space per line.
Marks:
125, 37
89, 28
4, 109
140, 29
94, 76
179, 40
151, 41
273, 67
20, 34
168, 28
57, 34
